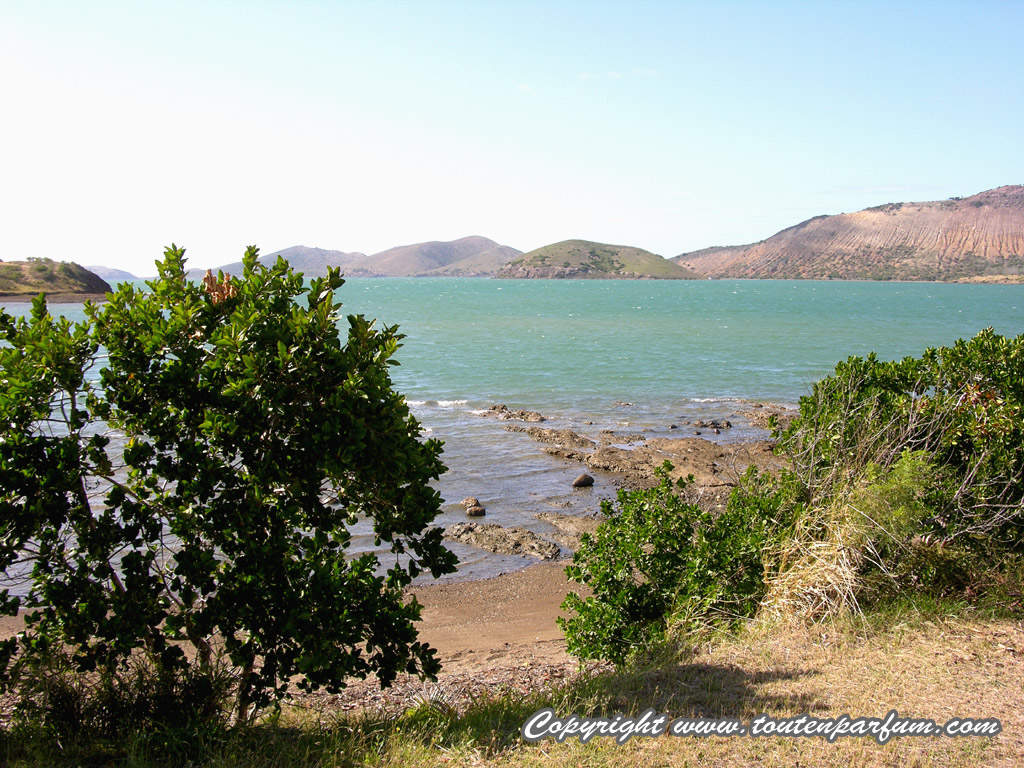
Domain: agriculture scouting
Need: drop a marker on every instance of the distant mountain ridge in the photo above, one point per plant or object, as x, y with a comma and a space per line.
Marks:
110, 274
977, 237
584, 259
466, 257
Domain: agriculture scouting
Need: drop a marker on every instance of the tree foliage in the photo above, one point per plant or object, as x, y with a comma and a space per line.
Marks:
180, 472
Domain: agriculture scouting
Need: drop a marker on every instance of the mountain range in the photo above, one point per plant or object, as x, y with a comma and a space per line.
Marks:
978, 238
466, 257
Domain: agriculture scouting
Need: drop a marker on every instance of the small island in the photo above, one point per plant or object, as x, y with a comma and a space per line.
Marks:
576, 259
60, 281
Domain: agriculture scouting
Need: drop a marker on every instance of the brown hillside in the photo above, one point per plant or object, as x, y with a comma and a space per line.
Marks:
979, 236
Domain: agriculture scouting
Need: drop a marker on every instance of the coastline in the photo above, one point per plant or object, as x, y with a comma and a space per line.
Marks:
52, 298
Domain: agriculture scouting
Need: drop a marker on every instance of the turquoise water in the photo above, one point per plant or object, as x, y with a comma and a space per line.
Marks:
628, 356
576, 344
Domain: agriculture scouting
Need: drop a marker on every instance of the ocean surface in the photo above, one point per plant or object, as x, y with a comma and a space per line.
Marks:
630, 356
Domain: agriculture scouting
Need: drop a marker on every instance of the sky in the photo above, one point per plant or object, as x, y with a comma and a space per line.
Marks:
359, 126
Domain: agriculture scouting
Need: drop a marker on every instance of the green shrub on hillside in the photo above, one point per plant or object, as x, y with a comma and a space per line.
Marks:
914, 470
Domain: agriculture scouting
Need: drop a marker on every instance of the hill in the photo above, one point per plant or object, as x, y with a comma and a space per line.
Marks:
573, 259
112, 275
312, 262
467, 257
38, 275
978, 237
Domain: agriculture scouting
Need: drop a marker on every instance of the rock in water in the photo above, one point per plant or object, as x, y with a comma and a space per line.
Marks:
583, 481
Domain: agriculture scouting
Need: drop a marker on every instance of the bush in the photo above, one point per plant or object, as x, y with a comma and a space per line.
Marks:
961, 406
200, 496
907, 477
914, 471
657, 560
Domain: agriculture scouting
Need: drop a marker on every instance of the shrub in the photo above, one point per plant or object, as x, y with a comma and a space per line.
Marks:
200, 496
962, 406
657, 560
914, 471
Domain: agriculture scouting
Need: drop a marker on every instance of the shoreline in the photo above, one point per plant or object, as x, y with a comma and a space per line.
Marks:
52, 298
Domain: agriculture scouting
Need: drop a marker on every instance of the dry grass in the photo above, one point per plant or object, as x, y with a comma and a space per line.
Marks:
923, 667
928, 669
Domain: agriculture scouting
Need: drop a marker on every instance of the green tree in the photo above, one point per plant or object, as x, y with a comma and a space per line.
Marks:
194, 504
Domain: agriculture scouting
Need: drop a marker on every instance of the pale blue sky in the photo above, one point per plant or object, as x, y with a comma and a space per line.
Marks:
359, 126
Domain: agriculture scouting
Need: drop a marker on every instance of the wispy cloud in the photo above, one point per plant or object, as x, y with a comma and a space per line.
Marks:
615, 75
585, 76
524, 88
645, 72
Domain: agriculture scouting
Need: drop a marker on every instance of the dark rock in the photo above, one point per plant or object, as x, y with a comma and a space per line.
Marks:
583, 481
475, 511
712, 423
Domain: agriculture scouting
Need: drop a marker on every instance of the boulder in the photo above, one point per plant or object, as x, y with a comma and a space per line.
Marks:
583, 481
476, 511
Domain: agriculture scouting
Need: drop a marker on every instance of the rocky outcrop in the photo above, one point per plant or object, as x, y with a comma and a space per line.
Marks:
503, 541
504, 413
564, 438
761, 415
570, 528
711, 464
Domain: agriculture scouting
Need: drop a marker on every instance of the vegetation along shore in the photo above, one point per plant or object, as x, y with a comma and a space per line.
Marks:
189, 599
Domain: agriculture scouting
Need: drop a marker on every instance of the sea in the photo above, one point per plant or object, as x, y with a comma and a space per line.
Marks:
637, 357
